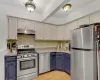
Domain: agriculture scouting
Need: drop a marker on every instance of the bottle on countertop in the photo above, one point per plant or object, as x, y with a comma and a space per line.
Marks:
12, 46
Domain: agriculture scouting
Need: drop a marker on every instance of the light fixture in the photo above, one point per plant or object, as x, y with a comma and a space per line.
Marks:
25, 31
67, 7
30, 5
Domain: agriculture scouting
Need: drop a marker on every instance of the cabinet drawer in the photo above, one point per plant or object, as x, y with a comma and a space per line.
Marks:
59, 54
53, 53
67, 55
10, 58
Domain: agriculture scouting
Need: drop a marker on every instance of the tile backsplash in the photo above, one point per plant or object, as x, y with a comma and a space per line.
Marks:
42, 45
24, 39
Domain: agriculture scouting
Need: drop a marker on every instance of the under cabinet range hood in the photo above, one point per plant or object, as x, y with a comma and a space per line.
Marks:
25, 31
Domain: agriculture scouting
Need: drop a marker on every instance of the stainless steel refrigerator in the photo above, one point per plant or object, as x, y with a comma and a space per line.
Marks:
84, 50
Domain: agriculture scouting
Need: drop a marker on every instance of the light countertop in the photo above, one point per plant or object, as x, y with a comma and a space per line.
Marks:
11, 53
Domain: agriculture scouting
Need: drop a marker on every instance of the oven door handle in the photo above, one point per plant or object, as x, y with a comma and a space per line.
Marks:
23, 59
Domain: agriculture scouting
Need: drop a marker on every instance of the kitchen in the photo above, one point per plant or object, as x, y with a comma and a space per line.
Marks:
26, 40
46, 41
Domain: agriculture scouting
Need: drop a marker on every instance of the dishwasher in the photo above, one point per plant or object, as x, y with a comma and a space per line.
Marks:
44, 62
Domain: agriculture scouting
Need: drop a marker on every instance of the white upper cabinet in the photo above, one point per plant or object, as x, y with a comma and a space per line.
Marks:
60, 33
50, 32
68, 29
95, 18
25, 24
30, 25
12, 28
39, 28
21, 24
84, 20
47, 32
66, 32
53, 32
73, 25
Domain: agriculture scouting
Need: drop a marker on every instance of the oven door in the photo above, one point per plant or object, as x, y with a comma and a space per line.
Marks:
26, 66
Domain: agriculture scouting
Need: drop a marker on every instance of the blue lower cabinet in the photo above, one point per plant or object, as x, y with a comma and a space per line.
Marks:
11, 68
67, 62
59, 63
67, 55
59, 54
67, 65
53, 60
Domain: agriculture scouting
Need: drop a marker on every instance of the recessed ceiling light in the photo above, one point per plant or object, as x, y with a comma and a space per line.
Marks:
30, 5
67, 7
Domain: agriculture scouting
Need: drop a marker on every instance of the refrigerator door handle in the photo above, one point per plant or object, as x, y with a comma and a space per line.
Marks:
82, 49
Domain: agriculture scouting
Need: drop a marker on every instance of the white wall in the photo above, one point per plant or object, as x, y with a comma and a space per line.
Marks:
3, 30
3, 37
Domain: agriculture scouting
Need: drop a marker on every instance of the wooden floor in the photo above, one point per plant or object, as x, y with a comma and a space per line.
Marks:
54, 75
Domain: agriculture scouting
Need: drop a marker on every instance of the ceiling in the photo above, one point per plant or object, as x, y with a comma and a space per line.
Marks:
76, 4
50, 8
40, 4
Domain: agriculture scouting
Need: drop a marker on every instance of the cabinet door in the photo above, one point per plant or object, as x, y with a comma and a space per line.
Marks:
84, 20
41, 63
60, 31
47, 32
39, 28
30, 25
66, 32
47, 62
52, 61
12, 28
95, 18
59, 63
53, 32
11, 71
68, 29
22, 24
67, 64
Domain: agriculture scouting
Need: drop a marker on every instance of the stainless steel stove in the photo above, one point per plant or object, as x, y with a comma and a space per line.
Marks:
27, 62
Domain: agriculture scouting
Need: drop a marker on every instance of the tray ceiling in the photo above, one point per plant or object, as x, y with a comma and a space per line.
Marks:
50, 10
40, 4
76, 4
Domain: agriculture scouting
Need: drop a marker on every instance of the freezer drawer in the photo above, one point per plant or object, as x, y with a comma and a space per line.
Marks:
83, 38
83, 65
